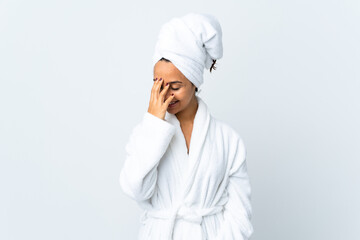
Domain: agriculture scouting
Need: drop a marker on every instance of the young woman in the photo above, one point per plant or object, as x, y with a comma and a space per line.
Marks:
184, 167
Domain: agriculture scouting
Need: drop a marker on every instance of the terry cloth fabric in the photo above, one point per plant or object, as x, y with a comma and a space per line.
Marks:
191, 43
203, 194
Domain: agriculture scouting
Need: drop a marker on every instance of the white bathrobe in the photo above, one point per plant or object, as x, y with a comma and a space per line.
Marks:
201, 195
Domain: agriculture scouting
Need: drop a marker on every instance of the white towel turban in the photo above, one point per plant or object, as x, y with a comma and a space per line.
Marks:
191, 43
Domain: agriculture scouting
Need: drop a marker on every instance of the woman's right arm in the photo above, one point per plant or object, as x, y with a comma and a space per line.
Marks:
147, 144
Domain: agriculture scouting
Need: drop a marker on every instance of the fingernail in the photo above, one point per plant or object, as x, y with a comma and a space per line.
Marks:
167, 84
172, 94
160, 79
155, 79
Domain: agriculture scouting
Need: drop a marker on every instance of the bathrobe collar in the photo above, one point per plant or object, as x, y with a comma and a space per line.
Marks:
198, 136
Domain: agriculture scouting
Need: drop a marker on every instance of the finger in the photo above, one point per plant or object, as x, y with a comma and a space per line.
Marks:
167, 102
154, 87
157, 87
164, 91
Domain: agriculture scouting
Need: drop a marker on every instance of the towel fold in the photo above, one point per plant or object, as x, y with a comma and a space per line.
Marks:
191, 43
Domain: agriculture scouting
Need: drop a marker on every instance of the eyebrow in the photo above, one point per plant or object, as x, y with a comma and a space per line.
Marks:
171, 82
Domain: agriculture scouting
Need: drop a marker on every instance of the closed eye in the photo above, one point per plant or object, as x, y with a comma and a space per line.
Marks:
171, 88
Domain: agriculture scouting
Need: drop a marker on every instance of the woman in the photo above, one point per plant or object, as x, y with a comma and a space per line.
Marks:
185, 168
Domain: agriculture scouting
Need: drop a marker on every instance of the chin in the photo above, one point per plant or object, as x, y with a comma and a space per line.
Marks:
172, 111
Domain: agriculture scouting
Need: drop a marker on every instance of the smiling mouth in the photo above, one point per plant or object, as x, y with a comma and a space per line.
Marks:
173, 103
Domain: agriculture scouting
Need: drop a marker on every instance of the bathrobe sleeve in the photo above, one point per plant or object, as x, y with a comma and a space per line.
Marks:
147, 144
237, 212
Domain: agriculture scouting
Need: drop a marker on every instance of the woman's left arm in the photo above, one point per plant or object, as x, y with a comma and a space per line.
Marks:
238, 211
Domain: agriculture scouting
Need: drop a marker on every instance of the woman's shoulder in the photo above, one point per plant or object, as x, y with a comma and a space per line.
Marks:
226, 128
232, 139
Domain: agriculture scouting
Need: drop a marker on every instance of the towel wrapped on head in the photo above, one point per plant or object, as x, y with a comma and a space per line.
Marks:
191, 43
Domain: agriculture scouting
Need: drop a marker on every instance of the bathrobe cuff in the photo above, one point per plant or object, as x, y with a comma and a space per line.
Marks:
159, 131
158, 125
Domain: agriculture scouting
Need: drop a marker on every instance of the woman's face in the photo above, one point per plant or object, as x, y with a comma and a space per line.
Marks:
180, 86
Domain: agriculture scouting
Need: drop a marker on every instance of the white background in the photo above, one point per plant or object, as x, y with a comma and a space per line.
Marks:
75, 78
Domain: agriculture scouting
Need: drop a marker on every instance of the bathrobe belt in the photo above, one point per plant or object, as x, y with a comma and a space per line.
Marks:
194, 215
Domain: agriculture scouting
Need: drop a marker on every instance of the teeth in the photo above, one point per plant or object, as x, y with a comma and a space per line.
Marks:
173, 102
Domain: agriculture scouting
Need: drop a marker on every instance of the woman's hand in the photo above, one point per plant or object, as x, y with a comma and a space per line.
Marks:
157, 105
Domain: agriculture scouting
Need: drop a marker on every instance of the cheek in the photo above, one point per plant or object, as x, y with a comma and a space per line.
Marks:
183, 95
